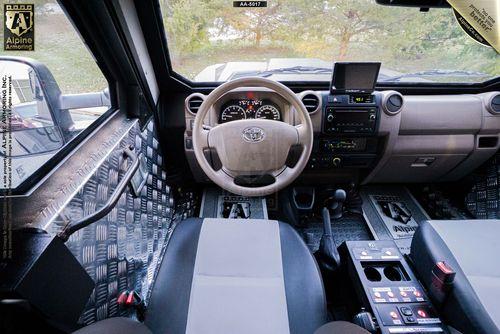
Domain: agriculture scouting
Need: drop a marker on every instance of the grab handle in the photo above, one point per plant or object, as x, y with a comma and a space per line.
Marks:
72, 227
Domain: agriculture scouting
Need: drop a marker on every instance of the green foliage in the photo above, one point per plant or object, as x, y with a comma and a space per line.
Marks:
187, 24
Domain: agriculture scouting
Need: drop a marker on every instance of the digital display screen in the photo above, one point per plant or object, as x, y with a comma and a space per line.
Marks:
361, 98
250, 104
354, 77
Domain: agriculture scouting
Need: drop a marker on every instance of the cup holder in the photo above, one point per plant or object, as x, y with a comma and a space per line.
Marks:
372, 274
384, 271
392, 274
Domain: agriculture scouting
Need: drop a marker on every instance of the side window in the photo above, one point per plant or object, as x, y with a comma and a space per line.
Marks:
47, 96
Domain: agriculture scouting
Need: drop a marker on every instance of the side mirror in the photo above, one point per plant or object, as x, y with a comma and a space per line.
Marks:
36, 118
33, 84
28, 117
29, 132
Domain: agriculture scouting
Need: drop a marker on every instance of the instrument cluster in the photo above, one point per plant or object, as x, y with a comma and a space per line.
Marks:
249, 109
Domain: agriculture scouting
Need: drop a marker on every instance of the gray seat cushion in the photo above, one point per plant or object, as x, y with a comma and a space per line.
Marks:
340, 327
472, 249
230, 276
115, 326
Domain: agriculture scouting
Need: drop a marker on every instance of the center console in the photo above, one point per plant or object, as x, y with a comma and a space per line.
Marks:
350, 118
348, 133
387, 288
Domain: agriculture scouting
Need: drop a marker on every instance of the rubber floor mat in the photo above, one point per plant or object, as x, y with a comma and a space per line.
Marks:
483, 200
349, 227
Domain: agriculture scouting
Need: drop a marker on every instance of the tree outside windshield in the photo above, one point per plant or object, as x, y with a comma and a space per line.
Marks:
213, 41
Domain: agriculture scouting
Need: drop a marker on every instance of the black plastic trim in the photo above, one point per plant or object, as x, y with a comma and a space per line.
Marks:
122, 30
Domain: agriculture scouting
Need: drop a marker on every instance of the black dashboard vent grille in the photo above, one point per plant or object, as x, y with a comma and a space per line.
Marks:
311, 102
194, 104
495, 104
393, 104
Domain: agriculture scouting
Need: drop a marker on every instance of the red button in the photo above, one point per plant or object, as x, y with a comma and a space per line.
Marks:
417, 293
403, 293
393, 315
445, 268
422, 314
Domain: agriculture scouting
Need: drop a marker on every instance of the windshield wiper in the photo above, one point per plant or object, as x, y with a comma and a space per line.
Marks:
285, 70
435, 73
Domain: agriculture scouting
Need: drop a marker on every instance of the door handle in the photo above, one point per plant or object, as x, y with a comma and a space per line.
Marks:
72, 227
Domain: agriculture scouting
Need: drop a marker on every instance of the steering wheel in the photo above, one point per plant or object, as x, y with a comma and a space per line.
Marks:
253, 147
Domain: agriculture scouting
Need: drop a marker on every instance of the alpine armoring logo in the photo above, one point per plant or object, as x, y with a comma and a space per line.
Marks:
404, 229
19, 28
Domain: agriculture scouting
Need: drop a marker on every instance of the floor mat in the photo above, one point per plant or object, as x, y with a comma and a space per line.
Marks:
439, 204
392, 214
218, 203
483, 200
349, 227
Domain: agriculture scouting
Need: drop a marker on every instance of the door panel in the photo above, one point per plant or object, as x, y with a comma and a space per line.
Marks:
121, 251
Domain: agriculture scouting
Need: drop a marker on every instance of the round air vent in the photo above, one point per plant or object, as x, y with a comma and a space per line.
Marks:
311, 102
494, 104
193, 103
393, 103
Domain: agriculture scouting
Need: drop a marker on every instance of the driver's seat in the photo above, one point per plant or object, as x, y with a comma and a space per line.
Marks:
237, 276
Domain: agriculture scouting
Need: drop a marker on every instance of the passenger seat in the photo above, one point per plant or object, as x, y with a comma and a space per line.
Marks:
471, 249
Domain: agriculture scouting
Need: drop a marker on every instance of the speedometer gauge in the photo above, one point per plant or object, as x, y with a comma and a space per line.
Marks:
232, 113
268, 112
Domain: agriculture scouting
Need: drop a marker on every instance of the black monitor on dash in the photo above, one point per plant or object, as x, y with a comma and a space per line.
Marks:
353, 77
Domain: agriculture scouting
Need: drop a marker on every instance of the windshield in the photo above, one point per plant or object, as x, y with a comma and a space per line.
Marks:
298, 40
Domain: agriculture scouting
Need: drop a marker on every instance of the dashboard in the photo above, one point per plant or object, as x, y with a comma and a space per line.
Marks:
237, 109
377, 137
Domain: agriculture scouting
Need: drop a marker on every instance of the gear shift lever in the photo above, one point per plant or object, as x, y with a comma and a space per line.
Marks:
337, 204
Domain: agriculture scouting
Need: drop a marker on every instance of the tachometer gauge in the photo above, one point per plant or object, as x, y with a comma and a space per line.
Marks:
232, 113
268, 112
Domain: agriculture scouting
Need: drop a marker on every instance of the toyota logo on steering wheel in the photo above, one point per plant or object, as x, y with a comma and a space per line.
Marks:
253, 134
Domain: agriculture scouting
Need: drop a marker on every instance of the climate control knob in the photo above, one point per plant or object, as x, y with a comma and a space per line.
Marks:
329, 118
336, 161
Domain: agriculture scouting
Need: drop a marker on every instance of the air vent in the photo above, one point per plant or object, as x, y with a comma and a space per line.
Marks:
194, 103
393, 103
494, 104
311, 102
